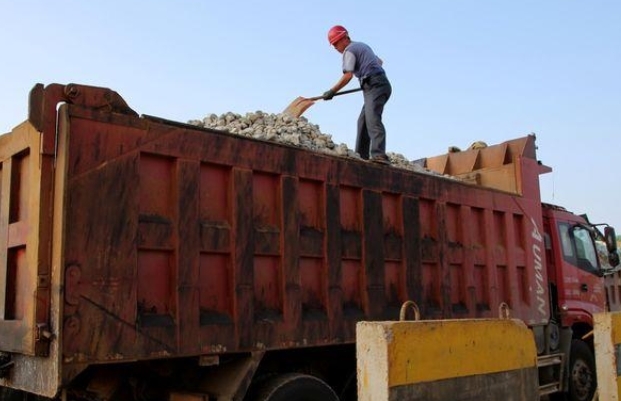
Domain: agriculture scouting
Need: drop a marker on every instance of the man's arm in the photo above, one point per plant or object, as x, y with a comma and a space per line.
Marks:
345, 78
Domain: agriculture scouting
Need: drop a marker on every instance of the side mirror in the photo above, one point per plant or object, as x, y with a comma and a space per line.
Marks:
611, 244
611, 239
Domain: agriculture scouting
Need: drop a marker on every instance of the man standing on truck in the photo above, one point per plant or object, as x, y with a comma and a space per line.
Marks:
360, 60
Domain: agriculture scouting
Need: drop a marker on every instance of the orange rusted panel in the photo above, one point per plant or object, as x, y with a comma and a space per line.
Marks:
25, 229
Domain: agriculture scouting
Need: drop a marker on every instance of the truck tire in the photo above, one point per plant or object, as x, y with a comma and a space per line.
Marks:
298, 387
582, 376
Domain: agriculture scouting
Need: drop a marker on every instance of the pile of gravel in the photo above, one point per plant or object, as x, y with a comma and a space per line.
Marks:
284, 128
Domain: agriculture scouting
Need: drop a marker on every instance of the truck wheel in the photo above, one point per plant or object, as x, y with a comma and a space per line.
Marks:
582, 376
298, 387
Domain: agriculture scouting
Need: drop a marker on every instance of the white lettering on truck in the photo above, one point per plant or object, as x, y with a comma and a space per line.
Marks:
538, 260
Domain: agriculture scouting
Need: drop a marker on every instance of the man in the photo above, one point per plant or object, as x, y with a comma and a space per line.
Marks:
359, 60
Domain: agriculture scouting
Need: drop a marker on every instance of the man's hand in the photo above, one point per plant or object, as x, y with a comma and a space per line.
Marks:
329, 94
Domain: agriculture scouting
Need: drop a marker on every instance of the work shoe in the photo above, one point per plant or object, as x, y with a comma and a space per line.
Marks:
380, 159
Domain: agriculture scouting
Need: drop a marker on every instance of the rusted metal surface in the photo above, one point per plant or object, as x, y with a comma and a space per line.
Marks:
179, 241
491, 166
43, 101
200, 242
26, 209
300, 104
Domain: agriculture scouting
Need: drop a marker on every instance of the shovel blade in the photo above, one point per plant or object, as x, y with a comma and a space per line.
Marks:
298, 106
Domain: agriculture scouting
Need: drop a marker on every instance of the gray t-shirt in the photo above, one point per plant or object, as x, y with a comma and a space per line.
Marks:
360, 59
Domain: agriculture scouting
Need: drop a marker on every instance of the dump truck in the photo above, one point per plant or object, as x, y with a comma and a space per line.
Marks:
148, 259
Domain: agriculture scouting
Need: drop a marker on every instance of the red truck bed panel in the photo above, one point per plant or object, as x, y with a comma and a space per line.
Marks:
180, 241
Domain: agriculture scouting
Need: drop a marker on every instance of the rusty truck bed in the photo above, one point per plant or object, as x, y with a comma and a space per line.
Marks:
132, 238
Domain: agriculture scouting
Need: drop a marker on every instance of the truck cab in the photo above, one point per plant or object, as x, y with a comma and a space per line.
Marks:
573, 266
578, 256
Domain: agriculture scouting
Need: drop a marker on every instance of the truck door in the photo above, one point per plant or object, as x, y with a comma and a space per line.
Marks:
582, 282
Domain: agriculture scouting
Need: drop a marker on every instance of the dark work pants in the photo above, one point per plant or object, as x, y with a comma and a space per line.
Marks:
371, 139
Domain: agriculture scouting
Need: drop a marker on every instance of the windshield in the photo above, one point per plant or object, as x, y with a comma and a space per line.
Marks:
578, 247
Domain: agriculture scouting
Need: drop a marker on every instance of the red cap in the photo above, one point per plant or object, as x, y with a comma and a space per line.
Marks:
336, 33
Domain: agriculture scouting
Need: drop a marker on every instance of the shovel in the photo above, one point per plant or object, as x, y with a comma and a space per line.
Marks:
299, 105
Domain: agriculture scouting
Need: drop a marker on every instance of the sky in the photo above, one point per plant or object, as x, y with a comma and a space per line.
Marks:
461, 71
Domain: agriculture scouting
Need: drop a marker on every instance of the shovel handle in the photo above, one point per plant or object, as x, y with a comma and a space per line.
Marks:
338, 93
